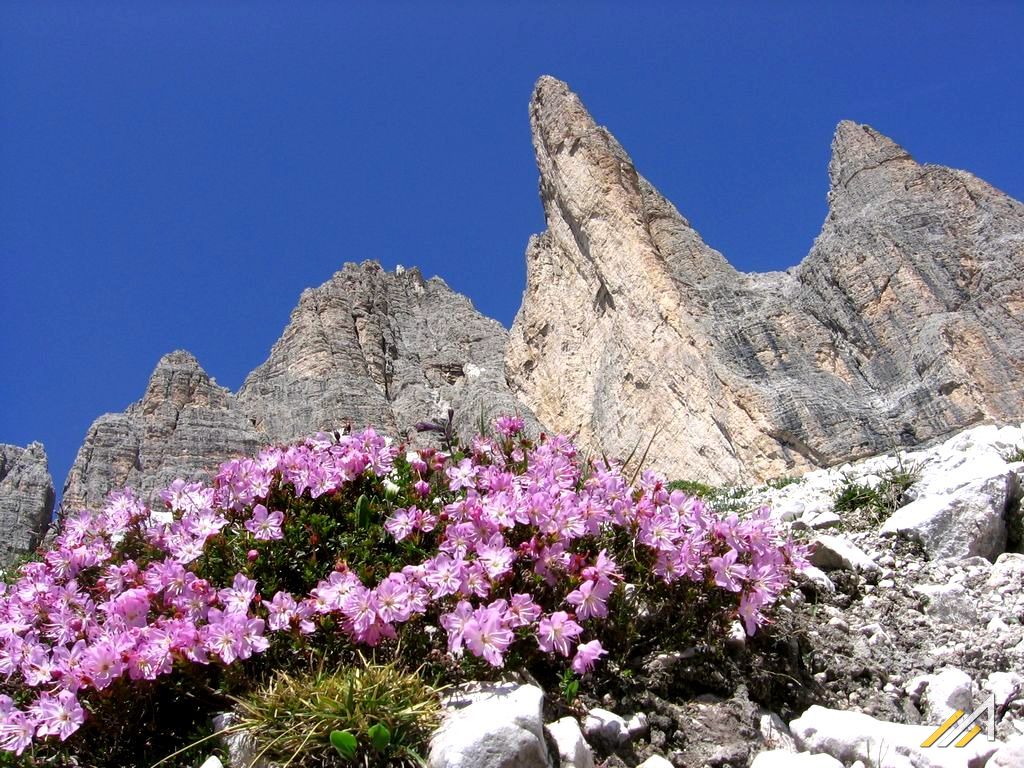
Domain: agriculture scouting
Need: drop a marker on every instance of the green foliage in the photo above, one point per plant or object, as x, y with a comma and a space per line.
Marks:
1015, 454
864, 506
569, 687
368, 713
781, 482
345, 744
315, 531
694, 488
727, 498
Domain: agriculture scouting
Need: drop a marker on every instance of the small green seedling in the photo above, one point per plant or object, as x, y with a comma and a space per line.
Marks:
380, 736
345, 743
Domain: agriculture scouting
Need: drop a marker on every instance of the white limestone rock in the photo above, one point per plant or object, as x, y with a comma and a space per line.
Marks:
839, 553
968, 521
573, 750
947, 691
1010, 755
776, 733
655, 761
849, 736
638, 726
606, 728
241, 747
1004, 686
1007, 574
491, 725
950, 603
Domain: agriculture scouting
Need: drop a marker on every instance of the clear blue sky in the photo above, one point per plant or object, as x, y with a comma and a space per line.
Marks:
172, 175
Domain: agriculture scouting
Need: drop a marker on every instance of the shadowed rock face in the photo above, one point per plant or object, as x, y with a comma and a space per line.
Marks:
26, 500
367, 348
904, 323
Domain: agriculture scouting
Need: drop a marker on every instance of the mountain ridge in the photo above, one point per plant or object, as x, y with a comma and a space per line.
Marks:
902, 324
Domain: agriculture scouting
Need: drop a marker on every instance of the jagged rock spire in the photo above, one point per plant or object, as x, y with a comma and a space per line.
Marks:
903, 324
857, 148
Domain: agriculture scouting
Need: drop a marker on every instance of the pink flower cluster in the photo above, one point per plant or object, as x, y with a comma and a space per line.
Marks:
88, 615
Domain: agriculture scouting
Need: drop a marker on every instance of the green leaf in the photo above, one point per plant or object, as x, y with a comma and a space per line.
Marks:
345, 743
363, 518
380, 736
572, 689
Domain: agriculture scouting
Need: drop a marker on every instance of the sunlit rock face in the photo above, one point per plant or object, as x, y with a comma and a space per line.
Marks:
903, 324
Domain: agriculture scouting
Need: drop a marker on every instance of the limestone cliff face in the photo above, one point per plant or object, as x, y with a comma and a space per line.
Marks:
26, 500
367, 348
904, 323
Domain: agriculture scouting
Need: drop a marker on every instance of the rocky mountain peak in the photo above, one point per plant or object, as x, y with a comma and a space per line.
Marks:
388, 349
184, 425
889, 332
859, 148
179, 380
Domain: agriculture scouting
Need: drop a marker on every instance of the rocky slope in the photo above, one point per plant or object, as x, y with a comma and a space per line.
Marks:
26, 500
903, 324
368, 347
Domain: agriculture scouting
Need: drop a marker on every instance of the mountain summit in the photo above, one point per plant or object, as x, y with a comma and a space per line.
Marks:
903, 324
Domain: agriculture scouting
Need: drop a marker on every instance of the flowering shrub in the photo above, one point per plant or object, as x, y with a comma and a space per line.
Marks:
504, 548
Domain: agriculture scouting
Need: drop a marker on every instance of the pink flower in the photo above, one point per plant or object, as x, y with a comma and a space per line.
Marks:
555, 632
445, 575
130, 607
392, 597
455, 623
586, 656
495, 557
102, 664
280, 612
507, 426
522, 610
265, 526
750, 611
462, 476
239, 596
728, 573
400, 524
16, 731
590, 599
487, 635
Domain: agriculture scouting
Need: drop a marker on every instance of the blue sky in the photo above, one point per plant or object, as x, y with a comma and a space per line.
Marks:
172, 175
